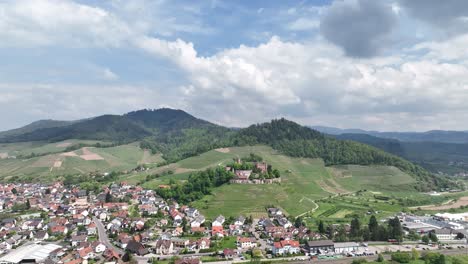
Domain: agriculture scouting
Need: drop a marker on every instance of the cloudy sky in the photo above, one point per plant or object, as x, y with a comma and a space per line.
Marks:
385, 65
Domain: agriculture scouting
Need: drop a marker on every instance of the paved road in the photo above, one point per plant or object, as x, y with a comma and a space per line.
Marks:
103, 238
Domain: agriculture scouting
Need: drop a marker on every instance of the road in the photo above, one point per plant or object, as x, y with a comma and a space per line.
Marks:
103, 238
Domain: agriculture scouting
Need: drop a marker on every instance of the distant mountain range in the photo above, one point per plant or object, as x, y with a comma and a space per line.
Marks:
431, 136
437, 151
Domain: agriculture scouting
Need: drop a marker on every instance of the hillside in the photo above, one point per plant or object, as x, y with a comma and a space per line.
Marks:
449, 158
178, 135
297, 141
442, 136
41, 124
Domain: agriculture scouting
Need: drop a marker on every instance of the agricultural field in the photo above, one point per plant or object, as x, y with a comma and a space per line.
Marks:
81, 161
377, 178
39, 148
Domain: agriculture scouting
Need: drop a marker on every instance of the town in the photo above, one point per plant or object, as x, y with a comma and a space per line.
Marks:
124, 223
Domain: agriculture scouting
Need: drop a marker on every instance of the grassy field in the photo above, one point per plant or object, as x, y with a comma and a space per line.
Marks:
27, 148
295, 194
308, 188
378, 178
51, 166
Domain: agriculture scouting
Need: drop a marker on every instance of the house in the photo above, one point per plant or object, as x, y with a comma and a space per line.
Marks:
111, 255
198, 221
136, 248
98, 247
262, 167
41, 235
284, 222
164, 247
286, 247
320, 246
246, 242
87, 253
91, 230
76, 240
346, 247
188, 261
445, 234
192, 212
275, 212
180, 242
239, 221
203, 243
229, 253
58, 230
217, 231
219, 221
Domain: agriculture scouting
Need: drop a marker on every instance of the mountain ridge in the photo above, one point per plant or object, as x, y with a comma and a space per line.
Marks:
178, 135
445, 136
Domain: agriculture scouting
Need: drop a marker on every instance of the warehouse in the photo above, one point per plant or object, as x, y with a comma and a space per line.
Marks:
32, 253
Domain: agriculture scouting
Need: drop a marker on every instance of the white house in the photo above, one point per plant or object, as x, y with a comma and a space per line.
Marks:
286, 247
346, 247
246, 242
219, 221
445, 234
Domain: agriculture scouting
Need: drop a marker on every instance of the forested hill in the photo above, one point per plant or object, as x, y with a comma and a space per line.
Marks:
298, 141
449, 158
178, 135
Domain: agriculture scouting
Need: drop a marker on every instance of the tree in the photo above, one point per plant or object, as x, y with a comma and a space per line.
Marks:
184, 224
28, 205
414, 254
373, 228
401, 257
321, 227
298, 222
425, 239
380, 258
460, 236
355, 231
433, 237
108, 197
14, 191
395, 231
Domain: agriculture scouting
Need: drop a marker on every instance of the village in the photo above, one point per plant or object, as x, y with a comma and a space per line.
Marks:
128, 223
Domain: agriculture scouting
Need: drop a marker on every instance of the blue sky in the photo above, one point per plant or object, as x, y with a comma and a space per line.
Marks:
383, 65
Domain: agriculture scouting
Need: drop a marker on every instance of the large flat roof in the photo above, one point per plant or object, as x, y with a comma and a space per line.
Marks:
31, 251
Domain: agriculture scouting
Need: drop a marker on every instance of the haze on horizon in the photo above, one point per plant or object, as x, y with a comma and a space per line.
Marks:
390, 65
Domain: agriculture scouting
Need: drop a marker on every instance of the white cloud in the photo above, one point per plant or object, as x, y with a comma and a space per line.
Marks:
49, 22
313, 82
303, 24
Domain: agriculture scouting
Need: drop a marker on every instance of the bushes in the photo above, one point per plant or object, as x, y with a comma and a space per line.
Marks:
401, 257
359, 261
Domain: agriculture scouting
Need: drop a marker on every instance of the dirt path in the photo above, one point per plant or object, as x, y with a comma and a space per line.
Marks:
310, 211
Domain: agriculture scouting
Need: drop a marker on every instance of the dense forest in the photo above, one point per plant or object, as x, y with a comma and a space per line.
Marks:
449, 158
198, 185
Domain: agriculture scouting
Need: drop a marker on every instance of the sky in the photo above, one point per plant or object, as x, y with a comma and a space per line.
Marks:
388, 65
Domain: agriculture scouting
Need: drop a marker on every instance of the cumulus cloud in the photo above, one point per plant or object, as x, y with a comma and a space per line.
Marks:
49, 22
360, 27
450, 16
312, 82
303, 24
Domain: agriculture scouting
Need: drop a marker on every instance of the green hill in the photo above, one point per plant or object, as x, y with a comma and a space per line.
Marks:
178, 135
449, 158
